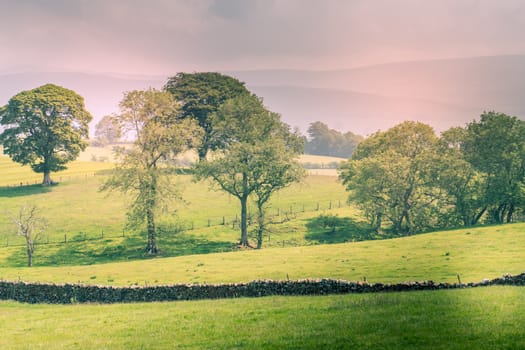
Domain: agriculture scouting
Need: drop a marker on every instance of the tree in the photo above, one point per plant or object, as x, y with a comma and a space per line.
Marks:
30, 225
107, 130
200, 95
257, 158
464, 202
386, 177
44, 128
329, 142
150, 117
495, 146
275, 167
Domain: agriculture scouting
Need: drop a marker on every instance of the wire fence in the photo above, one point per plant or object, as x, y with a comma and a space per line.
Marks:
276, 215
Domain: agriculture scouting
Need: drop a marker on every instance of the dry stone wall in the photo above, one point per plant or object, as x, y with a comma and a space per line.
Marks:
78, 293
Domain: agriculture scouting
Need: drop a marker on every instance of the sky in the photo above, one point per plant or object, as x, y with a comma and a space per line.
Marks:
153, 37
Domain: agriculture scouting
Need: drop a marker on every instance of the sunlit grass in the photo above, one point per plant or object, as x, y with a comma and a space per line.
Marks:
484, 318
473, 254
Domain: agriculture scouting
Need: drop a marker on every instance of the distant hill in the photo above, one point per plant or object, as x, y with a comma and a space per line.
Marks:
442, 93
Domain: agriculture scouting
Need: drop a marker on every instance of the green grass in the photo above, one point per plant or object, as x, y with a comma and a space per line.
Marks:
474, 254
14, 174
483, 318
75, 210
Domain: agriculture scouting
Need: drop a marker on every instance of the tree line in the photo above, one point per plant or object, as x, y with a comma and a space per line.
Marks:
243, 148
410, 180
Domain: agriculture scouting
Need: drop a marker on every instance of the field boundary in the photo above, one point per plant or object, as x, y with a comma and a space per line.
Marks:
78, 293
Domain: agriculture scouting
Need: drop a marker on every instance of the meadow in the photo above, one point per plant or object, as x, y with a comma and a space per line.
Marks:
89, 244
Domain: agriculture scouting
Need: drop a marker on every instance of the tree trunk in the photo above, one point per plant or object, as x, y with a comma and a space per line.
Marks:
30, 249
47, 178
260, 228
510, 213
202, 151
244, 221
151, 248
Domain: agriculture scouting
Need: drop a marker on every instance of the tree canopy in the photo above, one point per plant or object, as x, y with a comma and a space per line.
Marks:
200, 95
417, 181
257, 158
45, 128
149, 117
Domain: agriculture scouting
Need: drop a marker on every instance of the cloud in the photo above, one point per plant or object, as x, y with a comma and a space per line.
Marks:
156, 36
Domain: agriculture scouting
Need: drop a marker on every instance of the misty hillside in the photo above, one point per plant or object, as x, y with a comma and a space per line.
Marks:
442, 93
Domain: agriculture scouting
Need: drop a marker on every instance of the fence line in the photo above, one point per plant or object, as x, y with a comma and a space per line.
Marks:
224, 220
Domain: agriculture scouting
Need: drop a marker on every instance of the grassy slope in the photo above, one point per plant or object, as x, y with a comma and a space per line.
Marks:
474, 254
486, 318
77, 209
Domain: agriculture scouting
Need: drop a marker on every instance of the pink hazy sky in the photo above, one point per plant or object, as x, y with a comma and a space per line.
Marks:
159, 36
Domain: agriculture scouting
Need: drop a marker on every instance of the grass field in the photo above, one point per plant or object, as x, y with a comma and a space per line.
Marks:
298, 247
474, 254
483, 318
76, 210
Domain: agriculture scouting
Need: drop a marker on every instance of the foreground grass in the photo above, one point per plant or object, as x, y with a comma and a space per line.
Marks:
483, 318
474, 254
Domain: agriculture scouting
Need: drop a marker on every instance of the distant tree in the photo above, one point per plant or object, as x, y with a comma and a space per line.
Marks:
258, 156
107, 130
329, 142
495, 146
200, 95
44, 128
30, 225
150, 117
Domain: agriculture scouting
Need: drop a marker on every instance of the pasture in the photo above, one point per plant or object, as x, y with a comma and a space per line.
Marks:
87, 243
483, 318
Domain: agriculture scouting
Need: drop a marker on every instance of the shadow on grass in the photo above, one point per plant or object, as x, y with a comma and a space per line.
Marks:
20, 191
117, 249
328, 229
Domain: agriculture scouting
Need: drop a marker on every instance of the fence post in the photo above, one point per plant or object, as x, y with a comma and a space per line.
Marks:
209, 223
317, 207
65, 237
223, 221
330, 205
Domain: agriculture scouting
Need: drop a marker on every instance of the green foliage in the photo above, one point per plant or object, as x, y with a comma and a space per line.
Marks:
44, 128
417, 181
495, 146
329, 142
258, 156
151, 117
200, 95
387, 177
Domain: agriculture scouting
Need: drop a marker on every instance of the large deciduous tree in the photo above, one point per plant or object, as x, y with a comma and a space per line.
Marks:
200, 95
257, 158
495, 146
45, 128
150, 117
385, 177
